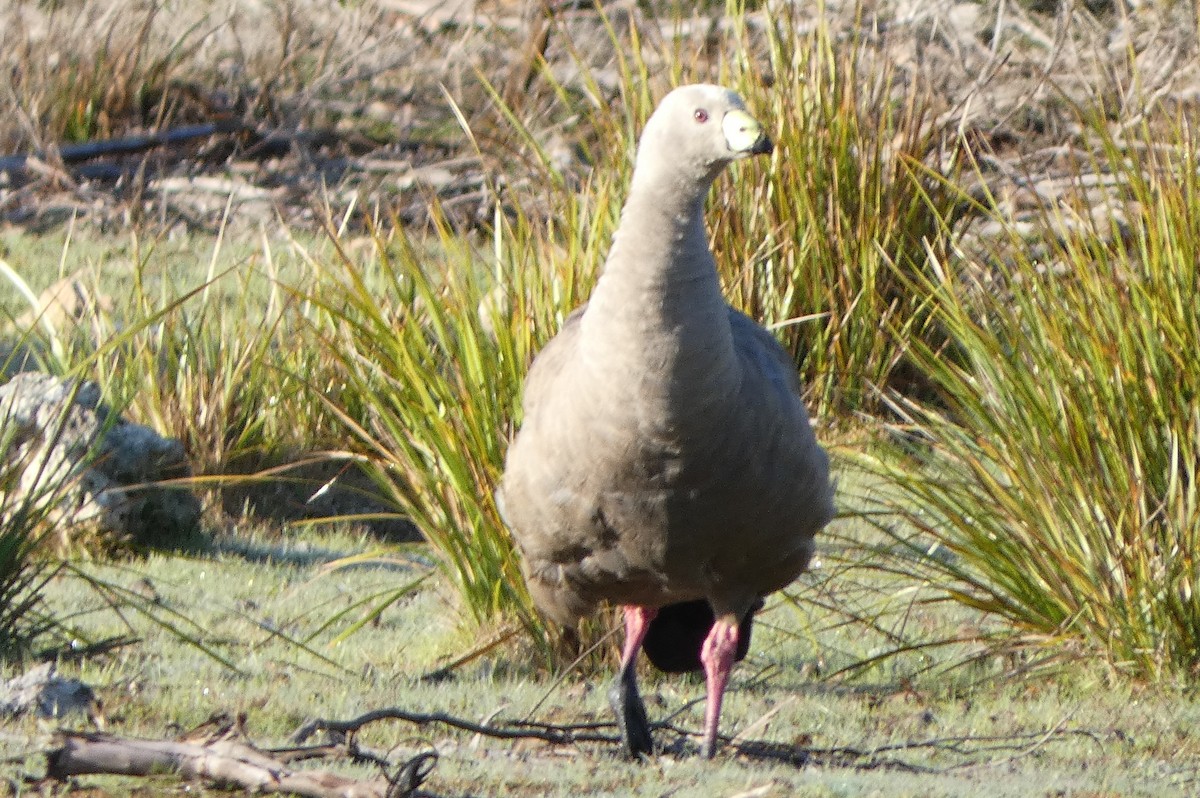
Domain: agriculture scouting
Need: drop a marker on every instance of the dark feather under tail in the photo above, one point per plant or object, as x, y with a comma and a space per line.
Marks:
677, 633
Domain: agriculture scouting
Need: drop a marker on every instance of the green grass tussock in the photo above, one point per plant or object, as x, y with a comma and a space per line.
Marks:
24, 618
431, 345
214, 361
33, 528
850, 206
1059, 468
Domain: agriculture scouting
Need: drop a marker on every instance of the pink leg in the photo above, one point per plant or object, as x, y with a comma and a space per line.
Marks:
717, 655
623, 695
637, 622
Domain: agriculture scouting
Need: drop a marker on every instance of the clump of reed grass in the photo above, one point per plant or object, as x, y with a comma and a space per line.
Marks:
32, 529
432, 339
24, 574
208, 358
213, 360
1053, 481
89, 71
819, 247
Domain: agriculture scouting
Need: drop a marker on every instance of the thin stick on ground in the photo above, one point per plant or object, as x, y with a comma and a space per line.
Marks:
973, 749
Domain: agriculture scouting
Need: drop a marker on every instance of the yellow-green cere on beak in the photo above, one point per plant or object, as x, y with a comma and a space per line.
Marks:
744, 134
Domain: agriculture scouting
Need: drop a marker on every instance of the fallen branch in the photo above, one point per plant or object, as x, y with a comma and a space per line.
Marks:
220, 760
71, 154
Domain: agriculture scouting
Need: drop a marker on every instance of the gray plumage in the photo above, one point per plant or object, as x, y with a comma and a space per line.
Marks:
665, 453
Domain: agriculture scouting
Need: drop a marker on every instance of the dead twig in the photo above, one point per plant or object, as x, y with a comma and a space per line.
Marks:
550, 733
974, 749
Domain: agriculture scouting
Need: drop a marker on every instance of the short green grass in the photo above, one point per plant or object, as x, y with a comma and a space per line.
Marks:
261, 604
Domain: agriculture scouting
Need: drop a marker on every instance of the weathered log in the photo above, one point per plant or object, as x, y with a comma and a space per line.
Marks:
219, 762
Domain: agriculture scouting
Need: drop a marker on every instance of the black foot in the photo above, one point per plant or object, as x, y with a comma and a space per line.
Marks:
631, 715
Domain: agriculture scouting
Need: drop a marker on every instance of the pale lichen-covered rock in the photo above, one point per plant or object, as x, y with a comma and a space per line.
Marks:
64, 450
43, 692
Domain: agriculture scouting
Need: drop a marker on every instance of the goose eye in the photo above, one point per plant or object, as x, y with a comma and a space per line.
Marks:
700, 115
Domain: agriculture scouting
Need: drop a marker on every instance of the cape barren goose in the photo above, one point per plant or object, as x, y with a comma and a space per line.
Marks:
666, 459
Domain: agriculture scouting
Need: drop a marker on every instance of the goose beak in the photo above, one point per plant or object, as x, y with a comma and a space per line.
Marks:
744, 135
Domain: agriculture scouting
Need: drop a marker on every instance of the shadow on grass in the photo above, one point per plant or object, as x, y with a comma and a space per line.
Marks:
287, 488
303, 555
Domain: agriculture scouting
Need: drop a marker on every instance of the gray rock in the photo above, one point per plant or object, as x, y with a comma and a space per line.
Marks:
44, 693
64, 451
